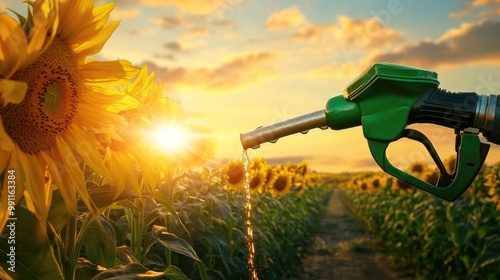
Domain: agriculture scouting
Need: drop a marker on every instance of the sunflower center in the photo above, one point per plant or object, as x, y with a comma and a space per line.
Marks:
255, 182
280, 183
50, 103
235, 174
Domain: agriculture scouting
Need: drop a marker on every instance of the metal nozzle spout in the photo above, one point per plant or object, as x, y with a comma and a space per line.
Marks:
272, 133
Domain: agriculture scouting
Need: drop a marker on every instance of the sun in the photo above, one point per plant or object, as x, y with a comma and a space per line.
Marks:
171, 138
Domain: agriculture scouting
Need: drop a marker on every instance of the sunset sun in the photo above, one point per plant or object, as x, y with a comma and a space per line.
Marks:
171, 138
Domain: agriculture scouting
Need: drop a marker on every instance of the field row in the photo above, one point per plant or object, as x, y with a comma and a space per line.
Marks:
435, 238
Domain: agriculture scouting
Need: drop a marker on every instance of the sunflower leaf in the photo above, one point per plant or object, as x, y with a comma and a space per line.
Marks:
130, 271
162, 198
58, 213
174, 243
30, 253
174, 273
100, 241
178, 245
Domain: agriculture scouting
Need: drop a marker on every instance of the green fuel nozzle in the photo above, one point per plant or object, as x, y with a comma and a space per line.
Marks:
384, 100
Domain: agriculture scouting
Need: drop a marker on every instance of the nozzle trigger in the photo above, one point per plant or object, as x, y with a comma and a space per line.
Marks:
470, 157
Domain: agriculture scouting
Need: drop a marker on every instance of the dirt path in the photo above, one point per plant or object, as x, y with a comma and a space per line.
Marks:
342, 250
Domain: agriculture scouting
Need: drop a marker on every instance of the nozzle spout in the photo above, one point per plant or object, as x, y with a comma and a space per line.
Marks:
272, 133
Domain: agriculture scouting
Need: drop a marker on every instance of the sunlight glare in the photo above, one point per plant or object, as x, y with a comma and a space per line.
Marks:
171, 138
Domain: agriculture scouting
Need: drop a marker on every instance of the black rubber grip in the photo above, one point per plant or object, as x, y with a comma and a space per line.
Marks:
441, 107
493, 135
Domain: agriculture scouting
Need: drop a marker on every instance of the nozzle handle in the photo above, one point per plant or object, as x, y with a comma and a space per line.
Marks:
272, 133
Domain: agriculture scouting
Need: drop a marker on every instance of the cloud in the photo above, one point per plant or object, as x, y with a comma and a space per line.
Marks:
471, 43
143, 32
175, 47
238, 72
366, 34
360, 33
183, 46
474, 43
193, 25
197, 31
169, 22
169, 57
352, 36
287, 18
187, 6
491, 7
346, 70
315, 33
124, 14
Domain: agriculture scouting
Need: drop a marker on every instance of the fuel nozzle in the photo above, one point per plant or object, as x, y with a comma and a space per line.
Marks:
272, 133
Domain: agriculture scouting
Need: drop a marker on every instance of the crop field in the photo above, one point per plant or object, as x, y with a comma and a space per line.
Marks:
435, 238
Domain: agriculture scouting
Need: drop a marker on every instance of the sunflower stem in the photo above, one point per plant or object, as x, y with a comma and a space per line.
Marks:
70, 247
133, 217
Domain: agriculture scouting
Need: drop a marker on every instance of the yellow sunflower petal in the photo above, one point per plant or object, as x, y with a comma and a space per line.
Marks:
37, 195
108, 71
12, 91
71, 10
89, 116
100, 16
45, 20
71, 174
4, 160
127, 102
4, 204
103, 97
13, 45
122, 168
84, 145
94, 45
6, 143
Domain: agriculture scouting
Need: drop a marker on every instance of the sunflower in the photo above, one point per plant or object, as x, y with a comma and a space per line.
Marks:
128, 153
51, 96
257, 181
258, 164
402, 187
377, 181
303, 168
492, 182
281, 184
133, 152
234, 175
314, 180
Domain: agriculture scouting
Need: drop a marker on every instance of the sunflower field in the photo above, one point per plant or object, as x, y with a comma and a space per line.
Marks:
103, 176
434, 238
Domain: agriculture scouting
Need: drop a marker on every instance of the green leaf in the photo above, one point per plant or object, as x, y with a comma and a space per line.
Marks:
178, 245
86, 270
162, 198
118, 233
100, 242
174, 273
173, 242
104, 195
490, 253
34, 257
129, 272
58, 213
124, 255
129, 204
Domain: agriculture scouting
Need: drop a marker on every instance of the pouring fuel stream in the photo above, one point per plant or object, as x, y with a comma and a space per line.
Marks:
248, 220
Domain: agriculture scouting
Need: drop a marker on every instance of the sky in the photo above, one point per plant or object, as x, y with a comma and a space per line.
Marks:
235, 65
